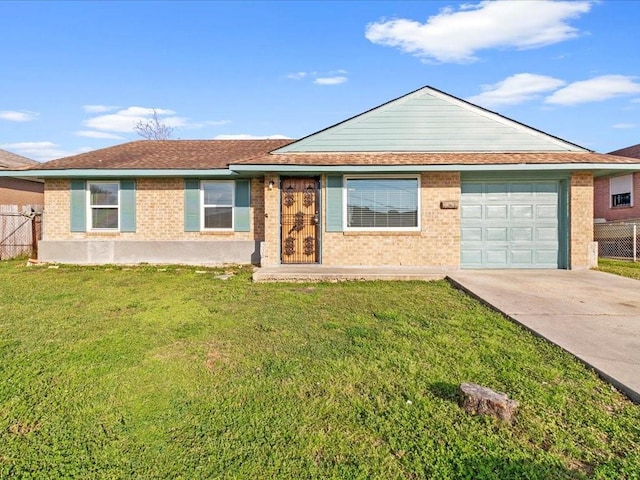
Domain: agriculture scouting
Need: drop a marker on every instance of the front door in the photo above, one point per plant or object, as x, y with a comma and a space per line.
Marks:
300, 214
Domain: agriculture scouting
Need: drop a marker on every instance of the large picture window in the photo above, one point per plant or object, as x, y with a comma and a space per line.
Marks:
217, 205
104, 205
382, 203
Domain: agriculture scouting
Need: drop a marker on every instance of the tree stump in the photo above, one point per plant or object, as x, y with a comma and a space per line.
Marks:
479, 400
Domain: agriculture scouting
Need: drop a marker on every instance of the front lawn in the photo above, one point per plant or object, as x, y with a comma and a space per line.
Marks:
620, 267
157, 373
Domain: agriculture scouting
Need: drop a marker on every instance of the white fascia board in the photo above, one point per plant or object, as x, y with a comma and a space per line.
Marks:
523, 167
113, 173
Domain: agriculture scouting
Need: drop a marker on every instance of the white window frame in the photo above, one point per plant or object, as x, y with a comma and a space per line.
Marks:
616, 187
345, 206
90, 207
203, 206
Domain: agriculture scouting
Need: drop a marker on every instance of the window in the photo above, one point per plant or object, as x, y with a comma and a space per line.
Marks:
217, 204
104, 205
382, 203
621, 189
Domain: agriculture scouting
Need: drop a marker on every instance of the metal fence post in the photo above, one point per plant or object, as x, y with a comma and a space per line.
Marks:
635, 241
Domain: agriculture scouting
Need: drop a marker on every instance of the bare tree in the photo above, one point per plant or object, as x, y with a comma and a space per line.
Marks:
154, 128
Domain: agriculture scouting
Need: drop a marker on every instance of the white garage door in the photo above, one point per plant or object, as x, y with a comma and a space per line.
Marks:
509, 224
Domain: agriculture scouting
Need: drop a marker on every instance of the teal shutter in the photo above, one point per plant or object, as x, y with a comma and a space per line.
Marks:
78, 206
127, 206
242, 210
334, 203
191, 205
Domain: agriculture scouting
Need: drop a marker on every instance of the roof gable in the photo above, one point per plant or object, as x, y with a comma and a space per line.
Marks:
12, 161
428, 120
633, 151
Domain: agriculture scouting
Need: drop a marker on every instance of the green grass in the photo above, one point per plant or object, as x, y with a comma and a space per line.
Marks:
620, 267
157, 373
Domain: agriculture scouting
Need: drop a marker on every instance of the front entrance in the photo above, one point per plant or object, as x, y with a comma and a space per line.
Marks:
300, 218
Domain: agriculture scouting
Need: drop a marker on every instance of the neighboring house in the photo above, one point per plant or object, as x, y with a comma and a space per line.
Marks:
616, 196
426, 179
19, 191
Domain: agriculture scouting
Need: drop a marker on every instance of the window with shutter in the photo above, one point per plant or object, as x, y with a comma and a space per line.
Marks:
386, 204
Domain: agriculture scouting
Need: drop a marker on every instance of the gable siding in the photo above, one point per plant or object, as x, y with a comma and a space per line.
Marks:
428, 121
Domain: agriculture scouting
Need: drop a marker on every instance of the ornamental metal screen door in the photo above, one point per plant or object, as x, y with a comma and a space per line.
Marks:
300, 219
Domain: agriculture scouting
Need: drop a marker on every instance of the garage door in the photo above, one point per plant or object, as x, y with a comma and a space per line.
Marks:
509, 224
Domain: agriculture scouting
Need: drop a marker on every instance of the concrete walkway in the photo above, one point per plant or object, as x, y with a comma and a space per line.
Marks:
322, 273
593, 315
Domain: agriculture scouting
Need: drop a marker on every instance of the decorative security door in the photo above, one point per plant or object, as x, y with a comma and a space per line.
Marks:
300, 216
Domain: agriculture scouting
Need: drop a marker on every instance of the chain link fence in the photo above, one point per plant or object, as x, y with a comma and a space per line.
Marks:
20, 231
618, 240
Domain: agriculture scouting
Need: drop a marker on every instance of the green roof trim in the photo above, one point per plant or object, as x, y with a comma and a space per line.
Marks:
526, 167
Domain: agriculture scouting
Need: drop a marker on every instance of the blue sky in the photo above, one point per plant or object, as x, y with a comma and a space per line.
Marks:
77, 76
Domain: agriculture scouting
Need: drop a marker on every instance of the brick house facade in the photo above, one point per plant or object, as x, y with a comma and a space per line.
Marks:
392, 186
611, 188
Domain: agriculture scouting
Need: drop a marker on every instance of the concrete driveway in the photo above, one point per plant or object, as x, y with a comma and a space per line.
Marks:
593, 315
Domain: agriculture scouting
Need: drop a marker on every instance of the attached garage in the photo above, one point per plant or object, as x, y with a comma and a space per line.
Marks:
513, 223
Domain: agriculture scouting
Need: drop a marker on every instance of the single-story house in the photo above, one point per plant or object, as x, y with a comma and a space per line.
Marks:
426, 179
617, 197
18, 191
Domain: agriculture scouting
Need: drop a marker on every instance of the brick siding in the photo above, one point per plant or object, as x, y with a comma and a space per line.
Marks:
437, 244
15, 191
602, 201
160, 216
581, 218
159, 213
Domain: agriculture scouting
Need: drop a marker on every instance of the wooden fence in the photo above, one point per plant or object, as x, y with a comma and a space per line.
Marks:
20, 230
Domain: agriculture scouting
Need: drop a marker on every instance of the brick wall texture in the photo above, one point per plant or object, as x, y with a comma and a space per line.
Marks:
581, 218
160, 216
602, 201
436, 244
159, 213
15, 191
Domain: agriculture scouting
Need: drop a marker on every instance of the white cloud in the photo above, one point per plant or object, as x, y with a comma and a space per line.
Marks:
625, 125
245, 136
99, 108
456, 36
94, 134
40, 151
297, 75
124, 121
330, 80
15, 116
517, 88
217, 123
333, 77
595, 89
206, 123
